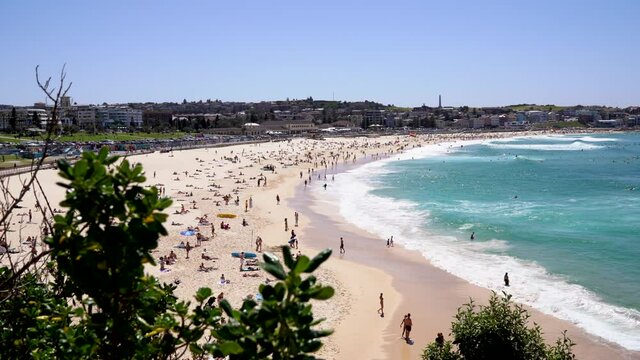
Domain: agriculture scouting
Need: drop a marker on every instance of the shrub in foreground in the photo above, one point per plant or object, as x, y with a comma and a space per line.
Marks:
497, 331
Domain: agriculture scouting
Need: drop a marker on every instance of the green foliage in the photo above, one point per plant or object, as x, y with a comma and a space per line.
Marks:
100, 304
282, 325
34, 322
435, 351
497, 331
111, 226
13, 120
35, 120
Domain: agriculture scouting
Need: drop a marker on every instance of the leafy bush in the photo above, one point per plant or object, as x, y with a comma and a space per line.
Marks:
254, 331
497, 331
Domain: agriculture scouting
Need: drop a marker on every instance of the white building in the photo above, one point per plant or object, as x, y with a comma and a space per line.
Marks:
535, 116
108, 117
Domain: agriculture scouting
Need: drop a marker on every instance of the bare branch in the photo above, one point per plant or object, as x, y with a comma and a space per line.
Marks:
11, 201
34, 260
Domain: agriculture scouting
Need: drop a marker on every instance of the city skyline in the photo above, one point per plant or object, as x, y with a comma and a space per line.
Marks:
403, 53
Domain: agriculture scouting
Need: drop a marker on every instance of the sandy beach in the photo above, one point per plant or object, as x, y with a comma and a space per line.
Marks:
199, 180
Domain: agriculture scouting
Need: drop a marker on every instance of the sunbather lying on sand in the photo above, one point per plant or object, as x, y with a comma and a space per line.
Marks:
207, 257
206, 268
250, 268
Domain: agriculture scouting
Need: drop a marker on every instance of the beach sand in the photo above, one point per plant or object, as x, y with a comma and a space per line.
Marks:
409, 283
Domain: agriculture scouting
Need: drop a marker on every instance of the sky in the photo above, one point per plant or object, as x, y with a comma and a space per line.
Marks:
406, 53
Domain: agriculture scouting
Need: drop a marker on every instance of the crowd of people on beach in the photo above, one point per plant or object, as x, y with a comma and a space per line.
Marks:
238, 181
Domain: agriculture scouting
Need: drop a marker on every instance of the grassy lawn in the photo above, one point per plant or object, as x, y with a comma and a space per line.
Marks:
119, 136
99, 137
7, 161
9, 139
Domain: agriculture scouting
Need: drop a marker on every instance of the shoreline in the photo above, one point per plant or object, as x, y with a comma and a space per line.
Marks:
432, 296
426, 280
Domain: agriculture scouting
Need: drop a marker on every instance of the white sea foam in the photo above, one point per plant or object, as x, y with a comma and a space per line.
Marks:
465, 227
573, 146
531, 283
596, 139
529, 158
558, 138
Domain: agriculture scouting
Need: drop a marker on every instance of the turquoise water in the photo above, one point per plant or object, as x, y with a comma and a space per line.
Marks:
561, 214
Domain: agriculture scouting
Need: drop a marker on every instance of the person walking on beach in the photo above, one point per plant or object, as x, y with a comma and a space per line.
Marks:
286, 224
407, 323
188, 248
258, 244
295, 216
342, 246
391, 241
473, 235
381, 310
404, 329
277, 199
506, 279
246, 205
250, 202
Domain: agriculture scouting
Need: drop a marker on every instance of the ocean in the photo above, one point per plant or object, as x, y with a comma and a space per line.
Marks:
560, 214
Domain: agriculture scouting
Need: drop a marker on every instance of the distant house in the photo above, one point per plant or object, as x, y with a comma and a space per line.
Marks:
225, 131
289, 127
608, 123
633, 120
536, 116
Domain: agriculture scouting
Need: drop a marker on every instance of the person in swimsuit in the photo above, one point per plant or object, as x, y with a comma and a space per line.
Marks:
404, 329
408, 323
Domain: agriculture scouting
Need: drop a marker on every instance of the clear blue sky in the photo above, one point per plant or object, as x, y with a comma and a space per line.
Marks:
477, 53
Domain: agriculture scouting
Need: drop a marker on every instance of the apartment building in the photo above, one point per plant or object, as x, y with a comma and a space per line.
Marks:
108, 117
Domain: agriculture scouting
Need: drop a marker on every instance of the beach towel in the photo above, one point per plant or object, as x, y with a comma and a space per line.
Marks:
247, 255
187, 233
